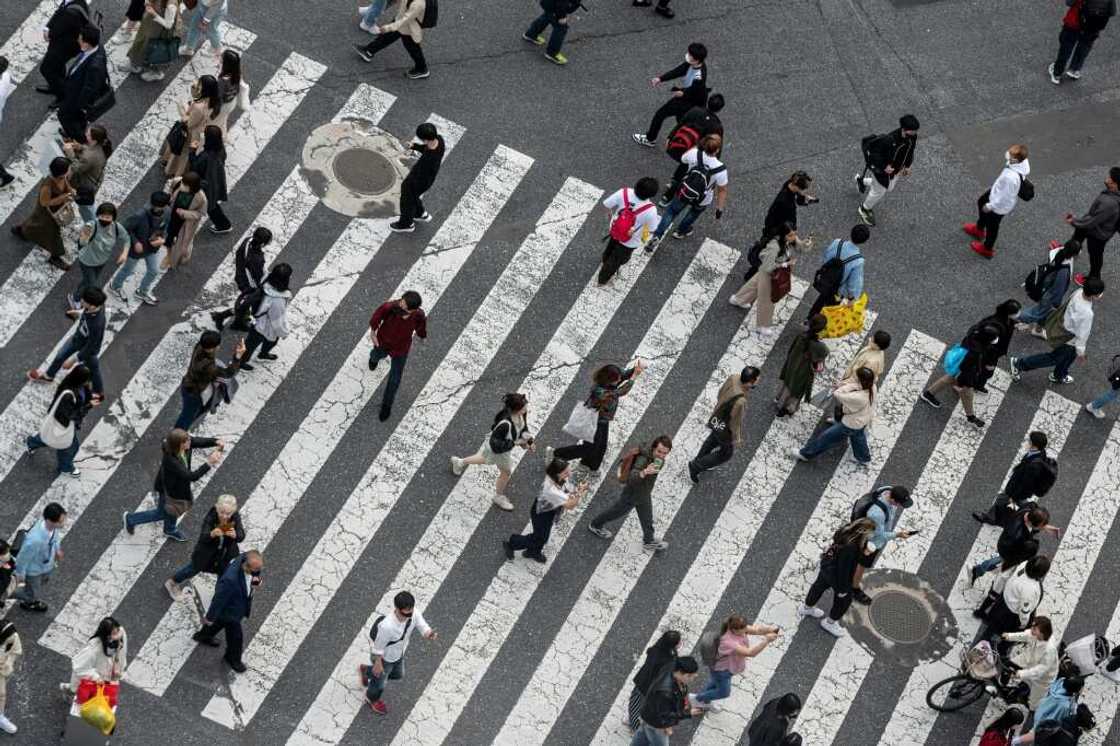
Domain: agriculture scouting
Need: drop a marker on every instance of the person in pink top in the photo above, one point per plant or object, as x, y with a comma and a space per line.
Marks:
734, 649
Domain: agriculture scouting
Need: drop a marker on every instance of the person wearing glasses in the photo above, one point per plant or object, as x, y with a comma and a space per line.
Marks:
390, 635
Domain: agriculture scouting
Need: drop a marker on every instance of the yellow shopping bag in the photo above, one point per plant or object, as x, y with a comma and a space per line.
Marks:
97, 712
844, 320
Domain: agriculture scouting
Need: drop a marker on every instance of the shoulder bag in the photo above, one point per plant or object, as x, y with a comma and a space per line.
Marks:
502, 443
173, 507
53, 433
163, 49
781, 283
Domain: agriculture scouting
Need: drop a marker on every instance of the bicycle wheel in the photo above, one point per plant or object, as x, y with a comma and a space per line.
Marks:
954, 693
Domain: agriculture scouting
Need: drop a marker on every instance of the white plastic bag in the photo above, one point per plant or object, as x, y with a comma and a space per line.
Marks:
582, 422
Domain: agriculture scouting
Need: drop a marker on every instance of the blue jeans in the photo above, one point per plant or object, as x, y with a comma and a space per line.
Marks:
65, 455
675, 208
32, 588
396, 369
559, 31
1106, 398
833, 436
1061, 358
1036, 314
151, 516
194, 29
184, 573
94, 364
987, 565
88, 213
389, 672
151, 272
192, 408
373, 12
647, 735
719, 687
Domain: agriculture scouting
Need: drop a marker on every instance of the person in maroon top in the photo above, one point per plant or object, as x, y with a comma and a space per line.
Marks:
391, 329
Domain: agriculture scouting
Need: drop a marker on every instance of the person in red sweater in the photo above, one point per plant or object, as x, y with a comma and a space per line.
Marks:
391, 329
1081, 25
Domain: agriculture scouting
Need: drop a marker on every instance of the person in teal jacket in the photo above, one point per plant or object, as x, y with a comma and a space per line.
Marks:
38, 556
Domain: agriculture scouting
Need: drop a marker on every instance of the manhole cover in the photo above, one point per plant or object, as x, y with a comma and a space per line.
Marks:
900, 617
364, 171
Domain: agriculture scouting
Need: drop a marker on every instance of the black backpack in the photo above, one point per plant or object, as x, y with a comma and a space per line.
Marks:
694, 185
1026, 188
248, 302
864, 503
865, 147
830, 274
431, 14
1035, 284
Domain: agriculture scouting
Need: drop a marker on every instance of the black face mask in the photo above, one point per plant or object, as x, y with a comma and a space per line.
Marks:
157, 212
105, 223
112, 644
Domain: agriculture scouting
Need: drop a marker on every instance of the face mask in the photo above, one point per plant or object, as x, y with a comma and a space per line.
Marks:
113, 644
105, 222
157, 211
688, 59
1007, 157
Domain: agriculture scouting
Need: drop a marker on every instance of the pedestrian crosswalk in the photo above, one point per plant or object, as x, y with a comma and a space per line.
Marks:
501, 196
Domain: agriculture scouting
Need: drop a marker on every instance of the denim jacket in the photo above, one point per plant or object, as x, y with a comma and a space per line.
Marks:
37, 555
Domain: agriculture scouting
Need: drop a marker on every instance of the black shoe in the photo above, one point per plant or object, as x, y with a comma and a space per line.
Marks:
37, 606
237, 666
536, 557
931, 400
976, 613
267, 356
202, 639
361, 50
6, 179
976, 420
415, 74
246, 366
986, 518
693, 474
372, 364
46, 90
508, 549
973, 575
981, 389
399, 227
54, 105
385, 413
219, 319
664, 11
17, 231
128, 527
861, 597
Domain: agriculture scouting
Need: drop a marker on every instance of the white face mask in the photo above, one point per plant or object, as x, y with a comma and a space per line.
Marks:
1007, 157
688, 58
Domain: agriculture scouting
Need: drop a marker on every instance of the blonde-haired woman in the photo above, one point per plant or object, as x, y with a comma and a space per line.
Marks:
838, 568
218, 545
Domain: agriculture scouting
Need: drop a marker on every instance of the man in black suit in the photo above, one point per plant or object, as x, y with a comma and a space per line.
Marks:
86, 79
233, 600
62, 43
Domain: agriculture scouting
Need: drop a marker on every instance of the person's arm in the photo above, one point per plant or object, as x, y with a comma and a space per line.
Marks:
422, 626
422, 327
92, 81
167, 20
1041, 671
45, 199
377, 320
92, 345
31, 551
881, 536
414, 13
223, 593
1082, 324
721, 198
677, 72
186, 213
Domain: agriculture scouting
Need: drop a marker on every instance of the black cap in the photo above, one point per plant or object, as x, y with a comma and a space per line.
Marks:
909, 122
901, 495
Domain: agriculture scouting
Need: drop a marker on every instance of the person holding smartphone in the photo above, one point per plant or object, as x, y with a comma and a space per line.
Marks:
639, 478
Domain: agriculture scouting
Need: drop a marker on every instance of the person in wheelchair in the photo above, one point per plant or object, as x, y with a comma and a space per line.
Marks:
1030, 661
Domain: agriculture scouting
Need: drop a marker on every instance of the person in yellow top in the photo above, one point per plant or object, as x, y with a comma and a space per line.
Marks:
408, 29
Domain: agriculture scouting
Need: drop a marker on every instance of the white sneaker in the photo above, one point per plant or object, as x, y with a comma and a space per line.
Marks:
151, 76
548, 451
1038, 331
7, 725
128, 67
1073, 74
657, 545
503, 502
1098, 413
833, 628
147, 298
813, 611
173, 590
796, 453
767, 332
739, 304
457, 466
185, 51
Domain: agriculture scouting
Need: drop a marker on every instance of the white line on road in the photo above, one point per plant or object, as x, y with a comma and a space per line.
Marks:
25, 48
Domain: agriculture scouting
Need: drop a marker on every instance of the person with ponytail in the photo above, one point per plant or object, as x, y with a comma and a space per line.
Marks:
510, 428
203, 109
837, 571
731, 657
87, 167
980, 345
71, 402
857, 401
248, 274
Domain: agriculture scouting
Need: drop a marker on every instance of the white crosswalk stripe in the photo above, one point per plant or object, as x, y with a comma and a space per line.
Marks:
24, 49
912, 718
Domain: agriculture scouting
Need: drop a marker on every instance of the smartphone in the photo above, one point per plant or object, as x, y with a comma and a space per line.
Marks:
658, 463
915, 531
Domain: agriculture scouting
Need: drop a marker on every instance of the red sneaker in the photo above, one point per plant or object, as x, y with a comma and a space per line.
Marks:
378, 707
974, 230
1079, 279
981, 249
1055, 244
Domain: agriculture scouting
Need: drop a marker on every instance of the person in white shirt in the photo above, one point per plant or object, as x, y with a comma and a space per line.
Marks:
1067, 331
1035, 657
552, 501
6, 89
1019, 596
998, 202
702, 157
633, 219
390, 635
102, 659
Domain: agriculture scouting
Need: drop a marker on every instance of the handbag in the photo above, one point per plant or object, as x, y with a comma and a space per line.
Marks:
177, 137
172, 506
52, 432
844, 320
163, 49
953, 359
88, 688
780, 284
501, 444
65, 214
106, 100
582, 422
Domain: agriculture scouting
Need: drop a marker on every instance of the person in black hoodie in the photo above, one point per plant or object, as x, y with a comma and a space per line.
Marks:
659, 657
72, 401
248, 274
837, 571
558, 14
771, 727
420, 179
209, 162
85, 343
62, 44
885, 159
1004, 319
173, 482
693, 91
978, 346
1030, 479
667, 703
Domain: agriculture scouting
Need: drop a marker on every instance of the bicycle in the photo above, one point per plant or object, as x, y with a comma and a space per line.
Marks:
982, 672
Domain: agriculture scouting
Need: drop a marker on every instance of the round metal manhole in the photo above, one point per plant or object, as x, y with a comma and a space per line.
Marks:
364, 171
900, 617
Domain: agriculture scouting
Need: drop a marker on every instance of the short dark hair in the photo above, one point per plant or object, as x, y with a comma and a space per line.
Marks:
3, 64
686, 664
1044, 625
261, 236
881, 339
715, 103
1038, 439
1113, 173
59, 167
789, 704
646, 188
90, 34
817, 323
749, 373
860, 233
426, 131
1093, 286
698, 51
404, 600
800, 179
5, 547
159, 199
411, 299
94, 296
1038, 566
192, 181
210, 339
107, 208
661, 440
899, 493
54, 512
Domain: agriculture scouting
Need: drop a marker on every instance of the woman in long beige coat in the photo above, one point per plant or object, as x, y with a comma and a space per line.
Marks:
188, 207
405, 27
203, 109
781, 251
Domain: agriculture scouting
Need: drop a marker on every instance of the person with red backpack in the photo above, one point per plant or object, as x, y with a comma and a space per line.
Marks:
1081, 25
704, 182
638, 470
1003, 728
633, 220
697, 123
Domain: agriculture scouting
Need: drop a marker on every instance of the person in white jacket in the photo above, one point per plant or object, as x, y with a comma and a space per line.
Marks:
857, 400
1068, 339
1035, 657
998, 202
11, 649
103, 658
6, 89
270, 318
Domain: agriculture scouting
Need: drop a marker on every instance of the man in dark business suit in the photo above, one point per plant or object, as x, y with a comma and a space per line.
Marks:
62, 43
85, 82
233, 600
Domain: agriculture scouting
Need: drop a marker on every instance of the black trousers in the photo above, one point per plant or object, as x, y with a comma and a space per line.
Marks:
411, 203
590, 454
218, 217
840, 603
235, 639
386, 39
1095, 247
713, 452
255, 340
674, 107
135, 10
627, 501
987, 221
53, 70
73, 123
614, 256
542, 529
